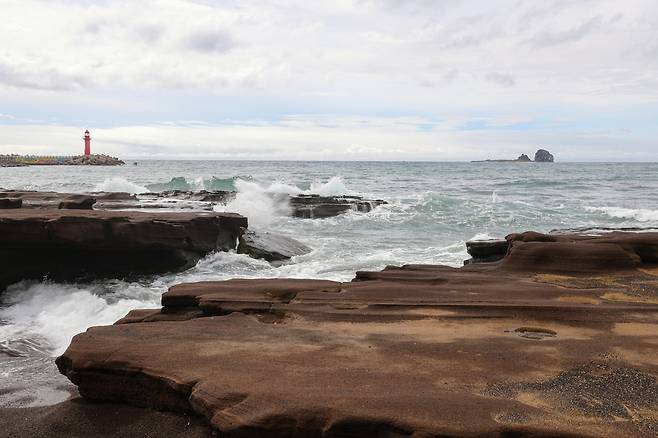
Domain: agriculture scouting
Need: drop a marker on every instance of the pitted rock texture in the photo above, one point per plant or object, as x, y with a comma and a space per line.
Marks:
418, 350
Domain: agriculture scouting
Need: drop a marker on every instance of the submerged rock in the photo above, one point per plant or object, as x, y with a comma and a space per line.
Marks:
67, 245
269, 246
417, 350
543, 156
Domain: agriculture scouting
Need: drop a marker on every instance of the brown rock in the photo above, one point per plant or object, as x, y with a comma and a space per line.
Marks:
10, 204
78, 244
78, 202
485, 350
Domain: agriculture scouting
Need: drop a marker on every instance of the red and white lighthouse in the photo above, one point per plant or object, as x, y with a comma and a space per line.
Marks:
87, 143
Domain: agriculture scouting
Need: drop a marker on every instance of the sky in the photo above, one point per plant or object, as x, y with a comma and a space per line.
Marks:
331, 80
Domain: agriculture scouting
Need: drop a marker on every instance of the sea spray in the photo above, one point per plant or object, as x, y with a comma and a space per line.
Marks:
47, 315
118, 184
260, 205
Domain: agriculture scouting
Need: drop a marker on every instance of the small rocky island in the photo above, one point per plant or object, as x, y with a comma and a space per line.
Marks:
14, 160
541, 156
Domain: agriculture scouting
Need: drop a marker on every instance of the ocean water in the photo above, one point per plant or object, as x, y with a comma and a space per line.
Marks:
433, 209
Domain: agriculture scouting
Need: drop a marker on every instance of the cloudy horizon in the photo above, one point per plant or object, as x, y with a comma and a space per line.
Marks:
345, 80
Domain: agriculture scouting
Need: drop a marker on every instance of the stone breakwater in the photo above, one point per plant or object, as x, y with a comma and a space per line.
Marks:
558, 337
53, 160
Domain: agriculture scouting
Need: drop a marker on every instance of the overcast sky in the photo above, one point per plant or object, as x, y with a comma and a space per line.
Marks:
331, 80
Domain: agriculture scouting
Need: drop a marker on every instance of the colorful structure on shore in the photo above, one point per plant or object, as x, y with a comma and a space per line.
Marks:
87, 143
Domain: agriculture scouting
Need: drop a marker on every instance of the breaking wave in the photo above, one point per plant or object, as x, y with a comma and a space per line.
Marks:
211, 184
43, 317
117, 184
637, 214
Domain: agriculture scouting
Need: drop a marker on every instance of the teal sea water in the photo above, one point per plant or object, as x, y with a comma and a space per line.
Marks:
433, 209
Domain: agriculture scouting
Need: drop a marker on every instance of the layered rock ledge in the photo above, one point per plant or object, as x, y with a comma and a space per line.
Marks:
559, 338
80, 244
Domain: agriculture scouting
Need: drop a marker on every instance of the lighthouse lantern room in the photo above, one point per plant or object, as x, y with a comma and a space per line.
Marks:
87, 143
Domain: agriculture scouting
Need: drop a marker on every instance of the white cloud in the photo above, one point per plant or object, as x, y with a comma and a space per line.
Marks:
123, 64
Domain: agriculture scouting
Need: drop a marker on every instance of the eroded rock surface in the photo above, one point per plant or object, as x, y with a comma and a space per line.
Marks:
558, 338
79, 244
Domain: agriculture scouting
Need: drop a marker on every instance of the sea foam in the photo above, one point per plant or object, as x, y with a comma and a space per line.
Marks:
637, 214
118, 184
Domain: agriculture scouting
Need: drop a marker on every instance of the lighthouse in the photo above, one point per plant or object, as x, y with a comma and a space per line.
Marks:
87, 143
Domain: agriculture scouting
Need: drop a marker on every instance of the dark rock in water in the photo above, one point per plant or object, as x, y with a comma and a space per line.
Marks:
48, 200
485, 251
114, 196
78, 244
269, 246
524, 158
9, 203
218, 196
548, 342
543, 156
78, 202
317, 207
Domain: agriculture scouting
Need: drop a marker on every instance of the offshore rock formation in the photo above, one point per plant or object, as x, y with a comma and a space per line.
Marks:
77, 244
543, 156
556, 339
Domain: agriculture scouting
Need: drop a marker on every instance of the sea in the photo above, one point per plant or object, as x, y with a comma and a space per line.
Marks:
433, 209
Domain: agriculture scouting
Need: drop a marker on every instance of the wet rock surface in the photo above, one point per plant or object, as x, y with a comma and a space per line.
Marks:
317, 207
548, 341
270, 246
68, 245
303, 206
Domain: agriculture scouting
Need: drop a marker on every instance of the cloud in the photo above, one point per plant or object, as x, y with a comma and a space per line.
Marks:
450, 63
555, 37
503, 79
210, 41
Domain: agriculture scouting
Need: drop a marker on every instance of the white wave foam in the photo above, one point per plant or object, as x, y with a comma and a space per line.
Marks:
48, 315
638, 214
482, 236
118, 184
257, 203
333, 187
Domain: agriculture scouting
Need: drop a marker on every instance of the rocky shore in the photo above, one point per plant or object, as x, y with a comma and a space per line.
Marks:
537, 335
556, 338
67, 245
301, 206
